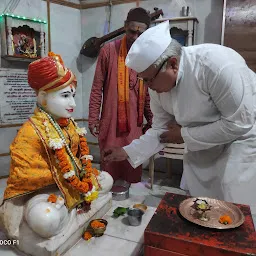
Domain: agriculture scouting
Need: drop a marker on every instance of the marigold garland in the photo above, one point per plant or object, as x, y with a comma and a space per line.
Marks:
87, 235
97, 224
63, 122
85, 185
225, 219
82, 186
52, 198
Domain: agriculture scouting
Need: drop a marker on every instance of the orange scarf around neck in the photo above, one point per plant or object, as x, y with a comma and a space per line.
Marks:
123, 124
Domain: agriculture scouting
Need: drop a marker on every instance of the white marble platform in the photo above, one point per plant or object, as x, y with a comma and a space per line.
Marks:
33, 244
105, 246
119, 238
119, 227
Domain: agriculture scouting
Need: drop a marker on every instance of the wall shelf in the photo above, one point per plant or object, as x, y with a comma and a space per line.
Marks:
187, 18
188, 24
22, 37
18, 58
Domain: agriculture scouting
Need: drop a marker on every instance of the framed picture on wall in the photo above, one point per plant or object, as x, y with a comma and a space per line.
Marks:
26, 42
23, 38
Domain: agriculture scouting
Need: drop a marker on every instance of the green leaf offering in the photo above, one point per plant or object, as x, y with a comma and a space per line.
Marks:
120, 211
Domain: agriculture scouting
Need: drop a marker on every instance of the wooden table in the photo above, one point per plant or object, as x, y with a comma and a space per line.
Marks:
169, 234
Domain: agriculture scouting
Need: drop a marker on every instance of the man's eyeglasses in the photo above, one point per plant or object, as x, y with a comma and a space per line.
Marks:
150, 80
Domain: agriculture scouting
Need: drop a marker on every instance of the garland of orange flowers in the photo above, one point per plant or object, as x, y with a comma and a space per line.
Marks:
61, 153
84, 185
225, 219
97, 224
63, 122
87, 235
52, 198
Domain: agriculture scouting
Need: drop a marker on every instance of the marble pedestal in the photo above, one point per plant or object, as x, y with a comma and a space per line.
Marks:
32, 244
119, 239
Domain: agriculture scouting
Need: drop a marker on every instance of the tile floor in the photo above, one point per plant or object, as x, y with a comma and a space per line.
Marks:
120, 238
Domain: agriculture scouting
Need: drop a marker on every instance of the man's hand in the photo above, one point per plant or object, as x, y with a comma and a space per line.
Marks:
173, 135
94, 129
114, 154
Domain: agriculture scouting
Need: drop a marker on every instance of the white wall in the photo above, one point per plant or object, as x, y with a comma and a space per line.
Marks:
65, 40
65, 34
71, 27
94, 21
208, 13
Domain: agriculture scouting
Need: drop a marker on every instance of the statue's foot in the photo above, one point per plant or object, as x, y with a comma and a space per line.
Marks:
46, 218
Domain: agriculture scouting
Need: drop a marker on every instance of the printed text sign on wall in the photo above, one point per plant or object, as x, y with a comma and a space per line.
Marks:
17, 99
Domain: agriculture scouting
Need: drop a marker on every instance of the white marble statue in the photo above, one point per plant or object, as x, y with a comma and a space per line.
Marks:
53, 191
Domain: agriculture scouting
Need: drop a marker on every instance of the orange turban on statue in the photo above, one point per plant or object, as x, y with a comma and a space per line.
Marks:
49, 74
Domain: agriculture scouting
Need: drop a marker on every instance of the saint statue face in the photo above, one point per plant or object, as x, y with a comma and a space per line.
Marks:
61, 104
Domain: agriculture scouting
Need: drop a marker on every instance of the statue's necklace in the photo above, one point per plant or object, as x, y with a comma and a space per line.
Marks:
60, 133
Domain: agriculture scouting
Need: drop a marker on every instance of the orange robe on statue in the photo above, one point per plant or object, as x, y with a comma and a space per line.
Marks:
106, 84
33, 165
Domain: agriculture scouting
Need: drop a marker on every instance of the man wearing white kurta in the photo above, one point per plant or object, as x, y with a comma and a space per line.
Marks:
211, 94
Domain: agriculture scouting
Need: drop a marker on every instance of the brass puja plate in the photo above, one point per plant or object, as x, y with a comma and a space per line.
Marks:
218, 209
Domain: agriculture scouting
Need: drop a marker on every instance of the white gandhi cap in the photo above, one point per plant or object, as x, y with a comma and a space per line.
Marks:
148, 47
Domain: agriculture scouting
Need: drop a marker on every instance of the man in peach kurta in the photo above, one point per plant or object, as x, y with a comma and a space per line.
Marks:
49, 147
117, 104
